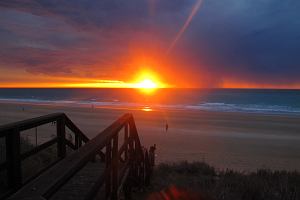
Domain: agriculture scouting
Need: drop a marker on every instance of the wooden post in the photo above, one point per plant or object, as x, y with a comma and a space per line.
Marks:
76, 141
108, 170
126, 138
79, 141
133, 153
115, 168
147, 169
61, 137
13, 151
36, 136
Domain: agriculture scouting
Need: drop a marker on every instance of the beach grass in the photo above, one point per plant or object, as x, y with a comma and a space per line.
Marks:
197, 180
29, 166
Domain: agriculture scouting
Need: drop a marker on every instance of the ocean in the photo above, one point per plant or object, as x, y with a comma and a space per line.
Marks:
224, 100
225, 135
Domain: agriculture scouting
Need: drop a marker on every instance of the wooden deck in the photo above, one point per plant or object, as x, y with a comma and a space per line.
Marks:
79, 185
105, 167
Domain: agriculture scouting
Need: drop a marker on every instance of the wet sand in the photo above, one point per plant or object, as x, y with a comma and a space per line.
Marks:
238, 141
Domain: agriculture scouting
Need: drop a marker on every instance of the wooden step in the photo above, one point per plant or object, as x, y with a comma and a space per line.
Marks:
80, 184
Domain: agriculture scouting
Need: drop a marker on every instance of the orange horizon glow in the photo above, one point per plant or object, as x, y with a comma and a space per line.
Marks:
145, 78
133, 86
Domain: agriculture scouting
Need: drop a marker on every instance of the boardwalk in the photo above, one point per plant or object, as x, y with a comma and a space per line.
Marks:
80, 183
105, 167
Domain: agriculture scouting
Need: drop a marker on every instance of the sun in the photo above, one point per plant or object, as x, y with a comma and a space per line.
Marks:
148, 81
147, 84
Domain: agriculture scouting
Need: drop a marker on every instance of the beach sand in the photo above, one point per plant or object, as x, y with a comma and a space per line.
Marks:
239, 141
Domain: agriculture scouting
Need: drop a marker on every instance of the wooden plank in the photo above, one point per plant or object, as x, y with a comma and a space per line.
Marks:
30, 123
46, 184
79, 186
97, 185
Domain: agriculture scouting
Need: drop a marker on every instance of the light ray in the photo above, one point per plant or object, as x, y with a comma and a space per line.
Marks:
194, 11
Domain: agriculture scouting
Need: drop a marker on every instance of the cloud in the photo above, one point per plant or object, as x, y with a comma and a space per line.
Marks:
254, 41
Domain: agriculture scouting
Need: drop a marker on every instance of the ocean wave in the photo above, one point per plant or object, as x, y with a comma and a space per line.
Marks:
205, 106
257, 108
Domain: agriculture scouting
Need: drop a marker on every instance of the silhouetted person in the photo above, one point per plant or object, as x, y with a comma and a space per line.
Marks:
167, 127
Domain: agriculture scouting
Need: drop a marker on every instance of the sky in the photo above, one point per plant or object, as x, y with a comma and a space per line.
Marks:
182, 43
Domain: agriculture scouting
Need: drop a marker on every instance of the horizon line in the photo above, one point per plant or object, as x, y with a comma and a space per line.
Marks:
256, 88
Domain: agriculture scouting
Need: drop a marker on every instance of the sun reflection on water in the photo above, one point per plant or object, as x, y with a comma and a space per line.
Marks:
147, 109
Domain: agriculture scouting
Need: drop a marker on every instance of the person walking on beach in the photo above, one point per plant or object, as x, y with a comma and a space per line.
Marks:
167, 127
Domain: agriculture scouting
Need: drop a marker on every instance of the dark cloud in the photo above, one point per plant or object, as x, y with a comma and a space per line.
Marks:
251, 40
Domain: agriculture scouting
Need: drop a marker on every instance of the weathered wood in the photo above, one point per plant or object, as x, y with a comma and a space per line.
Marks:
96, 186
6, 130
61, 138
108, 159
115, 168
126, 141
13, 159
116, 173
147, 168
30, 123
80, 185
77, 138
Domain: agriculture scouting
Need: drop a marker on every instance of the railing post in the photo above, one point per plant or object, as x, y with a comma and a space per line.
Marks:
147, 168
126, 138
115, 168
133, 152
13, 151
61, 137
79, 141
76, 141
108, 170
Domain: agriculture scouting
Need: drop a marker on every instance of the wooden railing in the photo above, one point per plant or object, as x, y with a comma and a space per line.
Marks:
128, 164
14, 157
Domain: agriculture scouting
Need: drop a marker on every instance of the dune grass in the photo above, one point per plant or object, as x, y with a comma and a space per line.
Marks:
30, 166
198, 180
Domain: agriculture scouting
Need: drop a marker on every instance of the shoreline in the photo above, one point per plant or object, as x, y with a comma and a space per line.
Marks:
141, 107
238, 141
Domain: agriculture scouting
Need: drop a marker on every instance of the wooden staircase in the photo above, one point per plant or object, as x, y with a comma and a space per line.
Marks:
108, 166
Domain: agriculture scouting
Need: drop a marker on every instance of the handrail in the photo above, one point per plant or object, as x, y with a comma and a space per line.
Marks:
14, 156
117, 169
29, 123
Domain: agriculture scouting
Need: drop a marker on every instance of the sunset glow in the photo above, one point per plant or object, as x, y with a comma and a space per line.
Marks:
158, 44
147, 84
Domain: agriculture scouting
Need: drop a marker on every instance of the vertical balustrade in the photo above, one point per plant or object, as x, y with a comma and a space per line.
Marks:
77, 141
115, 168
126, 138
13, 151
138, 160
108, 169
61, 136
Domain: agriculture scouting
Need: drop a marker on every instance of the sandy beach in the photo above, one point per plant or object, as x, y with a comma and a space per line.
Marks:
238, 141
